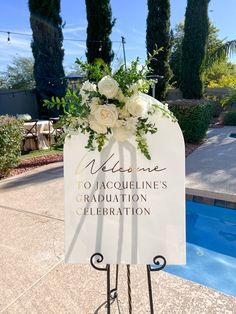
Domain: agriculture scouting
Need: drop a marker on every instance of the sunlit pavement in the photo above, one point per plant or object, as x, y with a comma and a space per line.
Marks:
34, 278
211, 169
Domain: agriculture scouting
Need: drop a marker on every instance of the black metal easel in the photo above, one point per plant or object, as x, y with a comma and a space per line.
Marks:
159, 262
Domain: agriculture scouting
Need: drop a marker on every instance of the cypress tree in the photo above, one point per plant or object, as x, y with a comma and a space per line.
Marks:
196, 29
176, 54
100, 23
158, 36
46, 45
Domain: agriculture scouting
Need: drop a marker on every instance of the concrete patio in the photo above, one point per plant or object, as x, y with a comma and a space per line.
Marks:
34, 278
211, 169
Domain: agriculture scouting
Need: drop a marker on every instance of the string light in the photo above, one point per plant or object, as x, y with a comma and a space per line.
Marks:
71, 39
66, 39
8, 37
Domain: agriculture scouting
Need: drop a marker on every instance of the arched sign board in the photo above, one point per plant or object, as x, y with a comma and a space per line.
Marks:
122, 205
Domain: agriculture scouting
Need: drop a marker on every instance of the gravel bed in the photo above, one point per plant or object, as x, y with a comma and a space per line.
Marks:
35, 162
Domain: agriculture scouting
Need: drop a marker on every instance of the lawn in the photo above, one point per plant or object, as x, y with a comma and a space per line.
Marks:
39, 153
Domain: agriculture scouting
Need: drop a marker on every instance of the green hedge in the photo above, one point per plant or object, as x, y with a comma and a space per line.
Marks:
194, 119
229, 118
11, 135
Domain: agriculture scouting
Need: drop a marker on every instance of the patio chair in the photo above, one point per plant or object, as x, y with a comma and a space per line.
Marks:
31, 133
54, 130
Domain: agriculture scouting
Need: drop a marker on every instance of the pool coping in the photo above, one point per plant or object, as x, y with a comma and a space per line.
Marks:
211, 198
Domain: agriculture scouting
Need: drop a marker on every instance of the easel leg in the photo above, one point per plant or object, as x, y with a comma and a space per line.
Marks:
113, 292
150, 289
95, 260
160, 262
108, 289
129, 289
117, 273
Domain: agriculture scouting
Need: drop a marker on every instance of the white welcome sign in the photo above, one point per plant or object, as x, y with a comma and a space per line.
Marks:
122, 205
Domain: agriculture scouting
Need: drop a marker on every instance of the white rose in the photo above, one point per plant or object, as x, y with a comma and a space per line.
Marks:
106, 115
137, 105
108, 87
121, 134
87, 87
97, 127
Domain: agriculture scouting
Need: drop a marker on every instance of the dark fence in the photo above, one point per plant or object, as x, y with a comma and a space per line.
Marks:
14, 102
175, 94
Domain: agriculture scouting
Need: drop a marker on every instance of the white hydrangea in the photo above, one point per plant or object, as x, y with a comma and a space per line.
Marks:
137, 86
87, 87
131, 123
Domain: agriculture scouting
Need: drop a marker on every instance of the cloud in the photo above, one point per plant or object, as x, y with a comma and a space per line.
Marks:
136, 31
4, 58
79, 45
25, 31
16, 46
75, 43
117, 30
20, 45
73, 52
74, 29
74, 48
134, 48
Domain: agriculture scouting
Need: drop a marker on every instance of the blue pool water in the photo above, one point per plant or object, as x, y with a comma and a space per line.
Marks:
233, 135
211, 248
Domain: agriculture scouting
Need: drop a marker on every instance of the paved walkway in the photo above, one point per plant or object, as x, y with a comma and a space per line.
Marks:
211, 169
34, 279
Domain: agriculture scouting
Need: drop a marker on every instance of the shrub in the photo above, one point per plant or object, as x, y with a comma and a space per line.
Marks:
194, 118
229, 117
215, 102
224, 81
229, 100
11, 135
216, 108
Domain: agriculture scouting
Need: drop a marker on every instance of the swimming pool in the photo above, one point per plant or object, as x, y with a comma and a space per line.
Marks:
211, 247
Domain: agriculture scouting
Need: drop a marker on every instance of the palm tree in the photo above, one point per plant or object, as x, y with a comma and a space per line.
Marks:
227, 49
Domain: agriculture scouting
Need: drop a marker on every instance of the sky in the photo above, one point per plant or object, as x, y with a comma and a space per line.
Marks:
131, 23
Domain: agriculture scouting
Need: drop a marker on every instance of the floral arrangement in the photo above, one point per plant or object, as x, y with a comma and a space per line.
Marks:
111, 105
